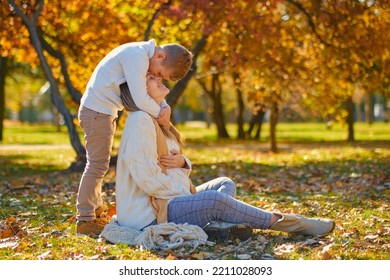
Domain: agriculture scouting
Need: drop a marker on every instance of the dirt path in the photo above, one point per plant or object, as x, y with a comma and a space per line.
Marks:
8, 147
285, 147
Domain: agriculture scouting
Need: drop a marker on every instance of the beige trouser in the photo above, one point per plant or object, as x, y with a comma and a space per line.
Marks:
99, 132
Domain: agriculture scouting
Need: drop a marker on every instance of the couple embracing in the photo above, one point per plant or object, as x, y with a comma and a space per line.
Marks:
153, 184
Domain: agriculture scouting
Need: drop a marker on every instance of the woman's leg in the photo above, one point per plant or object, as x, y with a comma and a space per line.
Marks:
206, 206
221, 184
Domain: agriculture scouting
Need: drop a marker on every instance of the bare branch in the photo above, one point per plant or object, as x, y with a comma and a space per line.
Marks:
23, 16
243, 243
180, 86
19, 12
74, 93
37, 12
55, 95
309, 20
151, 22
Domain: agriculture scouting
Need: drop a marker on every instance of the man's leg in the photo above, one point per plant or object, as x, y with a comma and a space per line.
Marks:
99, 132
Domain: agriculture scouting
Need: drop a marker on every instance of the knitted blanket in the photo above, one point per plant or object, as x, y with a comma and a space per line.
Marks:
162, 236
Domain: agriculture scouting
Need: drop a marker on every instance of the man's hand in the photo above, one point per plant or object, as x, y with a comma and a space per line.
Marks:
175, 160
164, 117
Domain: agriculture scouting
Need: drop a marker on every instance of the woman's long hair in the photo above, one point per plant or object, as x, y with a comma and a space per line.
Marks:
129, 104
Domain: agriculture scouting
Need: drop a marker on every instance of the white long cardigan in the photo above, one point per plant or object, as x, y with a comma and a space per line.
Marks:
138, 175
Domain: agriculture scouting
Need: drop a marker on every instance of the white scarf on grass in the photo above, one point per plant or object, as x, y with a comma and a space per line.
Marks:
161, 236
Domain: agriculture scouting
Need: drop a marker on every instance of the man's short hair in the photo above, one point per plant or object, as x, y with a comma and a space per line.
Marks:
178, 59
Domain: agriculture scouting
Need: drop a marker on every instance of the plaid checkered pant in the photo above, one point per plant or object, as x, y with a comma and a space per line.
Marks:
215, 200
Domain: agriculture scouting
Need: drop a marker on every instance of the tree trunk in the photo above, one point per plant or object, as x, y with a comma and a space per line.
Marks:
368, 109
218, 107
273, 121
3, 73
73, 92
386, 117
240, 102
260, 120
31, 24
215, 94
257, 118
57, 118
180, 86
350, 119
154, 17
206, 106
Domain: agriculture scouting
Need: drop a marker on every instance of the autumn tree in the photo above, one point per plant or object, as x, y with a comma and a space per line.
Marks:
66, 46
30, 17
13, 47
351, 51
71, 37
309, 52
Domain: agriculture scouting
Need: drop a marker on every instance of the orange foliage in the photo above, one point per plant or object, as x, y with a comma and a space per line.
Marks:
281, 53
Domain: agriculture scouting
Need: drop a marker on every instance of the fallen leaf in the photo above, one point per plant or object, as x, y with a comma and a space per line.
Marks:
9, 242
325, 256
267, 257
371, 237
283, 249
94, 257
44, 255
170, 257
199, 256
7, 233
111, 211
244, 257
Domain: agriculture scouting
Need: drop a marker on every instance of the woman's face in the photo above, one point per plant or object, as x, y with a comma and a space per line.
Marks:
155, 88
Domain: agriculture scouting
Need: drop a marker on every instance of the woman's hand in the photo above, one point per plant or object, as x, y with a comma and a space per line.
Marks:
175, 160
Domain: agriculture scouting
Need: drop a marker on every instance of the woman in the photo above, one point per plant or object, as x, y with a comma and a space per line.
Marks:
153, 184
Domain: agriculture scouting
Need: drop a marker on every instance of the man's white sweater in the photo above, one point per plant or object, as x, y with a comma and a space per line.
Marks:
126, 63
139, 176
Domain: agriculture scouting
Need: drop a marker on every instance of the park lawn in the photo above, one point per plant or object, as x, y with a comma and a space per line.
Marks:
295, 132
39, 134
346, 182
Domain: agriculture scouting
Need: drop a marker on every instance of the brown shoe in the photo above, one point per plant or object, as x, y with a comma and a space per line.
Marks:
94, 228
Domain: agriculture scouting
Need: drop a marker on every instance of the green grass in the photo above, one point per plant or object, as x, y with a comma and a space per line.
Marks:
17, 163
295, 132
349, 183
34, 134
16, 133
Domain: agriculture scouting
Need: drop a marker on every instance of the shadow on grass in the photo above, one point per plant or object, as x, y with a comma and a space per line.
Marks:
23, 165
354, 179
344, 190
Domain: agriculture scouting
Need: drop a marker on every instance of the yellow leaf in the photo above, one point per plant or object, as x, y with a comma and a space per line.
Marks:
325, 256
38, 180
170, 257
16, 183
199, 256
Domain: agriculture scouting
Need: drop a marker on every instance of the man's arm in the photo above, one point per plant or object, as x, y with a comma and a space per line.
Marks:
135, 65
